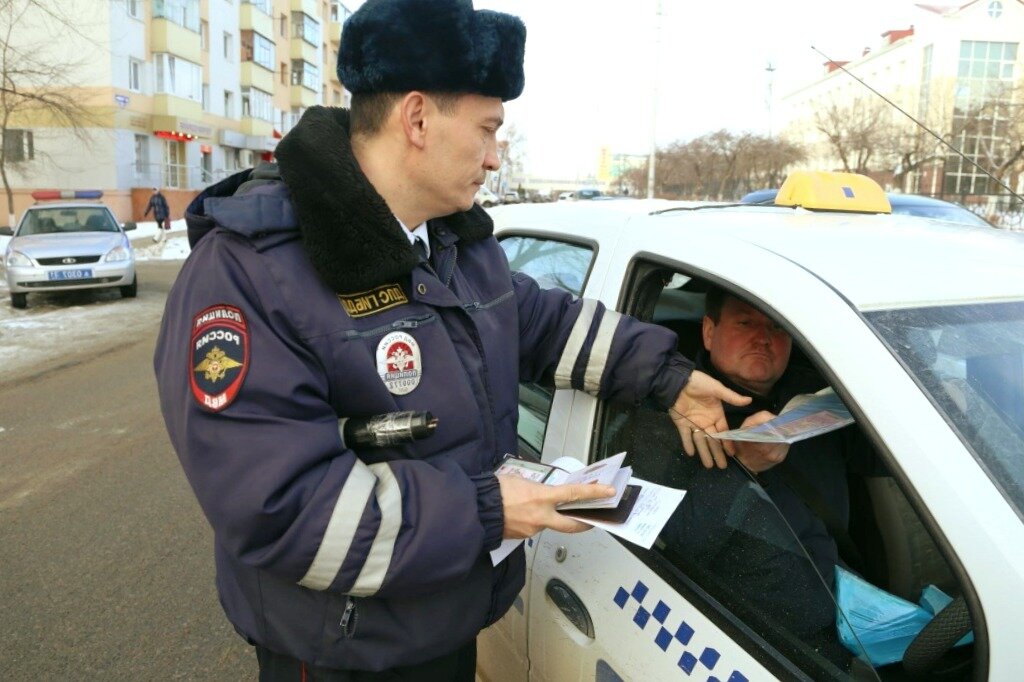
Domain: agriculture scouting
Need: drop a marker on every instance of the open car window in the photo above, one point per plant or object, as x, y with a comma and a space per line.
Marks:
759, 553
553, 264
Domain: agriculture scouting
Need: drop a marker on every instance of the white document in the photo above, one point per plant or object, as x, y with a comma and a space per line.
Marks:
651, 512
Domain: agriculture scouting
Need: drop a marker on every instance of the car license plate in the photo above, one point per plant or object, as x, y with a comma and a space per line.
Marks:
81, 273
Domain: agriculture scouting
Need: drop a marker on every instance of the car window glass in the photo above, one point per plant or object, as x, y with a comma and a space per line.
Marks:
553, 264
58, 220
763, 550
970, 359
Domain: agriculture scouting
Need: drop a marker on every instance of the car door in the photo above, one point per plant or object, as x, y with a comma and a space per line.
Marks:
543, 414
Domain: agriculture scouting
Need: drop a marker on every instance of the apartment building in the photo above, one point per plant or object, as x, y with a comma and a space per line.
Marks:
959, 69
182, 93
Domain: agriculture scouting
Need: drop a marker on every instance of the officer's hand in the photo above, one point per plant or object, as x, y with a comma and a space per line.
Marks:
530, 507
698, 412
760, 457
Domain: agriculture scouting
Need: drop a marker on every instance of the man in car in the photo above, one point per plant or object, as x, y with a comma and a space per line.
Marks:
727, 527
357, 278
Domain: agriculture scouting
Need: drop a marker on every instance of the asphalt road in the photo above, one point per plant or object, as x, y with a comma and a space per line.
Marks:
106, 565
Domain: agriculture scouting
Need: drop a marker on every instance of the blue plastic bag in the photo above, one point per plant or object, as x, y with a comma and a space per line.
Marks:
880, 624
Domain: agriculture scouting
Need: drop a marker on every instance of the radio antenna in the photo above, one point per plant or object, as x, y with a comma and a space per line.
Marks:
921, 125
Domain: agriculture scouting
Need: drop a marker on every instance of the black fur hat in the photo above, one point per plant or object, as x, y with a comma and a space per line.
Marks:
439, 45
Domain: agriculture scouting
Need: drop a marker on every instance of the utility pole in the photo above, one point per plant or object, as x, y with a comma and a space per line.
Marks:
654, 102
771, 78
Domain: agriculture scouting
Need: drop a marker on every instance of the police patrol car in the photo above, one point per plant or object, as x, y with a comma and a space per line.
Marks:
917, 324
71, 243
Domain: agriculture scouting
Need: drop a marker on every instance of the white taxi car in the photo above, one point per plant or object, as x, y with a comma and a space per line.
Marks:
917, 324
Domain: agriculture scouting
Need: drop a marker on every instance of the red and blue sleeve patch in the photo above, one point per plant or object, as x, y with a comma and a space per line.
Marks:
220, 356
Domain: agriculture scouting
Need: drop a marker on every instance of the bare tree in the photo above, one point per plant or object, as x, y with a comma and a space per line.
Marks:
856, 132
34, 85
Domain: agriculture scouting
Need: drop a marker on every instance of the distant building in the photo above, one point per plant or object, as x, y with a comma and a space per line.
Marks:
184, 93
959, 70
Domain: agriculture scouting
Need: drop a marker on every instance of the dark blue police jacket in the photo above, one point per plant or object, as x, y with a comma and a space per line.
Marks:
303, 303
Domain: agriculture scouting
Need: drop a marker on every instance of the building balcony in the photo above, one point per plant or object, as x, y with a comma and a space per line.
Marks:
309, 7
166, 36
256, 76
302, 97
257, 127
252, 19
300, 49
171, 105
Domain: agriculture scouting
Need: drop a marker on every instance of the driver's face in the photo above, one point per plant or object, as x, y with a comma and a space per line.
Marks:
747, 346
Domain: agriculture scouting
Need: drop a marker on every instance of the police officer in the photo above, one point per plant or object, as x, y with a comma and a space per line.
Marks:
357, 278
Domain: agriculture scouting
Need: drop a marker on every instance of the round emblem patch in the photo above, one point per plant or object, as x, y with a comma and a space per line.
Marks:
399, 362
220, 356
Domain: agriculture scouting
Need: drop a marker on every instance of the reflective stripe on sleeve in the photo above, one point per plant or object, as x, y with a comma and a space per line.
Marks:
599, 352
341, 529
389, 499
571, 352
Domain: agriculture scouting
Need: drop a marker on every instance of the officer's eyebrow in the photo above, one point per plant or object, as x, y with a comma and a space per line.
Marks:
496, 121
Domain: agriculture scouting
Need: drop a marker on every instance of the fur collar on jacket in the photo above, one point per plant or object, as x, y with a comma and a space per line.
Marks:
352, 237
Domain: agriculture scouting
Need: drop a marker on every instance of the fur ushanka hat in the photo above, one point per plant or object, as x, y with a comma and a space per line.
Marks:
432, 45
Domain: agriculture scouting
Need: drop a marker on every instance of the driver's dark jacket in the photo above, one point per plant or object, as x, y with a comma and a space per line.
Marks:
729, 527
375, 558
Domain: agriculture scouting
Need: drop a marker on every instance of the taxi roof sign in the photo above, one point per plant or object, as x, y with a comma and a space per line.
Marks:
830, 191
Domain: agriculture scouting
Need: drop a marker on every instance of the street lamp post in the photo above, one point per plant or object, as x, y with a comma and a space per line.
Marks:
654, 102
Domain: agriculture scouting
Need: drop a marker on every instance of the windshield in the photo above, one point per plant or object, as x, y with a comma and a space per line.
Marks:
59, 220
952, 213
970, 359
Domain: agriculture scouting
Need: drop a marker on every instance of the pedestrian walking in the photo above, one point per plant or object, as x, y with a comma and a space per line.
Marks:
161, 213
356, 277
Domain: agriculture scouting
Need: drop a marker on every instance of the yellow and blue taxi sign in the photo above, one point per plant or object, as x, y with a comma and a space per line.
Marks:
832, 191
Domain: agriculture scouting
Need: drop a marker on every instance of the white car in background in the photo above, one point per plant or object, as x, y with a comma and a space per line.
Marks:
67, 246
918, 325
486, 197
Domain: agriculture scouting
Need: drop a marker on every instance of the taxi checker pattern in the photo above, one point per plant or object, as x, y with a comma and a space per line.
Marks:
708, 658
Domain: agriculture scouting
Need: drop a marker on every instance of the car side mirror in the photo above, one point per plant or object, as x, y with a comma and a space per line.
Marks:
6, 232
130, 225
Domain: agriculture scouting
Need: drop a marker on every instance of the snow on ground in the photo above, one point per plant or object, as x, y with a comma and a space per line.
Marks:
84, 321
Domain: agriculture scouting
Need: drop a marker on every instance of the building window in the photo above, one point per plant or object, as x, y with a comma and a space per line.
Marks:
261, 5
141, 154
133, 8
18, 145
305, 74
181, 12
229, 104
135, 75
339, 13
284, 26
179, 77
982, 114
257, 104
284, 73
204, 35
206, 96
306, 27
229, 47
258, 49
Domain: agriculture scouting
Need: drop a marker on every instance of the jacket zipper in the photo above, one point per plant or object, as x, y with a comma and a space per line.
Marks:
477, 305
410, 323
346, 617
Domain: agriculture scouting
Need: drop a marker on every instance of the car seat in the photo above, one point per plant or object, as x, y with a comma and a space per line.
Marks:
96, 222
46, 226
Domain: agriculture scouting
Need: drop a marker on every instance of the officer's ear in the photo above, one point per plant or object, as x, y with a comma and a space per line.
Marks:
412, 110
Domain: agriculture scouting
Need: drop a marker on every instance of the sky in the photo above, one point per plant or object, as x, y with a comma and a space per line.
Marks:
591, 65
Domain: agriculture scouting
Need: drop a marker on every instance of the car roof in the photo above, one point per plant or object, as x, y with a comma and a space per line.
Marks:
876, 261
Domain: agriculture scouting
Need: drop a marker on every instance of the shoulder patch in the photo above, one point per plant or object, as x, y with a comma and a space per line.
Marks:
220, 356
373, 301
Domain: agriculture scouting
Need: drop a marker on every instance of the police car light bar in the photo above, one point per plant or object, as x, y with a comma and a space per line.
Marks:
49, 194
833, 191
